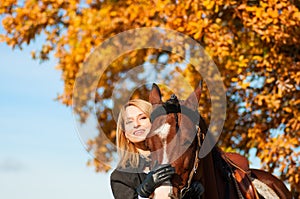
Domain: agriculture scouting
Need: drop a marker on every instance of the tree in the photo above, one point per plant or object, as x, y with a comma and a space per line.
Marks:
254, 43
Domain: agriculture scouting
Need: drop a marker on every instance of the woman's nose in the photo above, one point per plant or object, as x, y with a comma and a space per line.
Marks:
136, 124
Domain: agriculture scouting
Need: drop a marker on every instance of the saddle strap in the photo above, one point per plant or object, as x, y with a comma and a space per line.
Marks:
240, 195
245, 184
241, 176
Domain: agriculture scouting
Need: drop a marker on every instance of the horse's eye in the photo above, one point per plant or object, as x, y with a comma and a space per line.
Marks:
187, 143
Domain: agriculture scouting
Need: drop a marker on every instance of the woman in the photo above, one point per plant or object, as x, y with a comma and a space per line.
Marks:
132, 178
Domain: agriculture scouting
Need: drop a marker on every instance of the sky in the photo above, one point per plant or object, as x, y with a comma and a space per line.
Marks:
41, 155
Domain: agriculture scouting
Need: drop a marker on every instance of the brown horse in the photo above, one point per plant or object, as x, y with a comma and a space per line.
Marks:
176, 136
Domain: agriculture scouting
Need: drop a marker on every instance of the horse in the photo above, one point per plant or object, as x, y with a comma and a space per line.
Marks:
176, 136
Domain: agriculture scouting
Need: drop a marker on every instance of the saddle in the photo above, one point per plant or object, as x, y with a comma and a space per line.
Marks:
240, 170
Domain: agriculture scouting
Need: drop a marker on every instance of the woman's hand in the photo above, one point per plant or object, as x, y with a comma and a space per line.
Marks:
154, 179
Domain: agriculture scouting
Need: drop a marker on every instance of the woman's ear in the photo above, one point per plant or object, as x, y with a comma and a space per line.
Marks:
155, 95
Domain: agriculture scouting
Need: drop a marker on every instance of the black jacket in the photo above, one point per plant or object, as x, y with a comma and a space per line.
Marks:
124, 184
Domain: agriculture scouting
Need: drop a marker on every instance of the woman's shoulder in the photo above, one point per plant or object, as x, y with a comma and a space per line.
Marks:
126, 176
118, 172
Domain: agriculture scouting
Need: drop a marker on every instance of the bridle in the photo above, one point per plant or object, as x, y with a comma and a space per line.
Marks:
173, 106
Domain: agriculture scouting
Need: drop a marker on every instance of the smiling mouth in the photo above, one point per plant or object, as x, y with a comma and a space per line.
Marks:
138, 132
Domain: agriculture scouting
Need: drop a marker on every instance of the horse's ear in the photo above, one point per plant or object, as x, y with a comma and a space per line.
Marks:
192, 101
155, 95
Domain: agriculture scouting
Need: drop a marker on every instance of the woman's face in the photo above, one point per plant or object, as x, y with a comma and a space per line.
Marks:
137, 124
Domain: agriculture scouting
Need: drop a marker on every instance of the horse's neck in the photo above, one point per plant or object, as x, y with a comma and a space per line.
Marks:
209, 175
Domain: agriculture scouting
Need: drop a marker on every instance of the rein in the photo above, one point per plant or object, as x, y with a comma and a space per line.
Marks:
184, 190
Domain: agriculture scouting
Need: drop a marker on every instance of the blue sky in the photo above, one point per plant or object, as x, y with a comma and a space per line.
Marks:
41, 156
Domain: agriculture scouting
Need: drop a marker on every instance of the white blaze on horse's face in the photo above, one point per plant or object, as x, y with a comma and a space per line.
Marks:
163, 132
163, 191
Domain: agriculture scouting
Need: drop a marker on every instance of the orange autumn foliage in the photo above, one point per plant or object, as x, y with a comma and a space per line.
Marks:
255, 44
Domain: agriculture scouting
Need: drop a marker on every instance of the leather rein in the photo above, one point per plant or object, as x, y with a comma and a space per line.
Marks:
172, 106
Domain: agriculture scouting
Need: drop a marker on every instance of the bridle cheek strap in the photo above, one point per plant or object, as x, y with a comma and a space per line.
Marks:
196, 164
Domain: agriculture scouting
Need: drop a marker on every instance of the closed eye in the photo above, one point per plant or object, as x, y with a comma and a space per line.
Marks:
128, 122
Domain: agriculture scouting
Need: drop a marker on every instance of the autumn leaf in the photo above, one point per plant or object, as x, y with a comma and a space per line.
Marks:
255, 45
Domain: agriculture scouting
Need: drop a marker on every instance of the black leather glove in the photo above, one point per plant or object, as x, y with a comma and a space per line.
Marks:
154, 179
195, 191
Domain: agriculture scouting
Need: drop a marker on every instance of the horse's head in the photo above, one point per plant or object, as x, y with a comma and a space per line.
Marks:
175, 136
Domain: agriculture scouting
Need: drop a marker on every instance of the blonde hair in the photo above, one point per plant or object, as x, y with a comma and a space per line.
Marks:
128, 153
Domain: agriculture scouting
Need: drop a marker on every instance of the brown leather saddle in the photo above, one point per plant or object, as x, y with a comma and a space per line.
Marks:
239, 167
